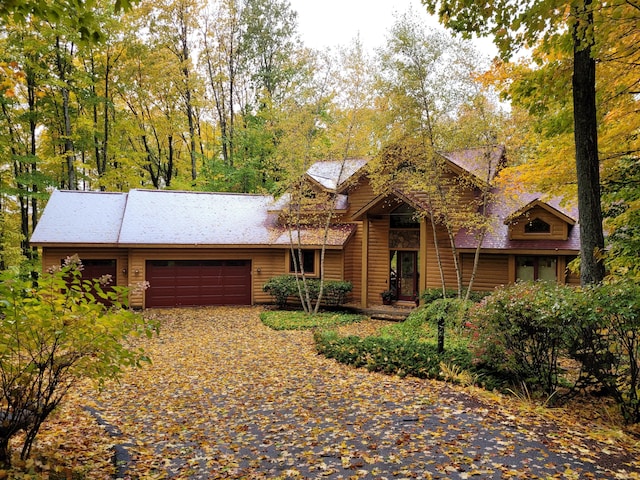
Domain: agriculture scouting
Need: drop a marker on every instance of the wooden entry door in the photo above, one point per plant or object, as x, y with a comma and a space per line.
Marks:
407, 275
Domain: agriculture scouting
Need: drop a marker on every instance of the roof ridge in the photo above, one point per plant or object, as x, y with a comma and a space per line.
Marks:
244, 194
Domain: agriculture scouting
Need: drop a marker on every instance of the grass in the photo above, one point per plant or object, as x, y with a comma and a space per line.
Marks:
298, 320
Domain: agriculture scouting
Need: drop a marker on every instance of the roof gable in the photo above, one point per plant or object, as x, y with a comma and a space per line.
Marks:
483, 163
553, 209
334, 175
504, 209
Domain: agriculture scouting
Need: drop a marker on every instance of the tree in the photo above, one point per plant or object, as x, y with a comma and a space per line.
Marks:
221, 57
52, 336
324, 116
426, 78
514, 24
174, 28
78, 11
269, 37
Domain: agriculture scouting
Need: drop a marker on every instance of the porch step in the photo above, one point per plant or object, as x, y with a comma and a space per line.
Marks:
394, 313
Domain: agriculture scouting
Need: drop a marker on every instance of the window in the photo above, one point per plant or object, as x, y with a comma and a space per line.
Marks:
537, 226
404, 217
308, 262
536, 268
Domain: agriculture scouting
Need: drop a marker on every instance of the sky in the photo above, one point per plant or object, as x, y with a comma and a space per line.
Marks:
331, 23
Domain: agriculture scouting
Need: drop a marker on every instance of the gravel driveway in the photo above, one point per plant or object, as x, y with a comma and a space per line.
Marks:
226, 397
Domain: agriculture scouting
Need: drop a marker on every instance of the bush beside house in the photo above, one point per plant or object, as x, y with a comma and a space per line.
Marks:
285, 288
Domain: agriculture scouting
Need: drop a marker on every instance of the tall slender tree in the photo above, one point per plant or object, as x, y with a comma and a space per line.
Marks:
517, 23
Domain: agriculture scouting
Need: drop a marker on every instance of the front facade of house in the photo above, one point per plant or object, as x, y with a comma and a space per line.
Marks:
194, 248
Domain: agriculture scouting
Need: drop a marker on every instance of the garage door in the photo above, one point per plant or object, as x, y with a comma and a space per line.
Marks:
198, 282
94, 269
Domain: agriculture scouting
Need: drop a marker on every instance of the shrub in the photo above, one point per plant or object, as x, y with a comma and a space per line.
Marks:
411, 329
606, 340
390, 355
52, 335
281, 288
447, 313
335, 292
521, 330
431, 294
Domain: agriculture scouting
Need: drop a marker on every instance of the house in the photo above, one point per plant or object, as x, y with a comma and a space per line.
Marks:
197, 248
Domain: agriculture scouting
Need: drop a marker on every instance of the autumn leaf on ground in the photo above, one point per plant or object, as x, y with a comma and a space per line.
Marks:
228, 397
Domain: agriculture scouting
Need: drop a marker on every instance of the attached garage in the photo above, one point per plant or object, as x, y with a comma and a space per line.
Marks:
172, 248
175, 283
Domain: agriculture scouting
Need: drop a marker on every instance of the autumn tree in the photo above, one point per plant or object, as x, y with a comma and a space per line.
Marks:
54, 335
516, 24
78, 11
426, 79
221, 57
174, 28
22, 104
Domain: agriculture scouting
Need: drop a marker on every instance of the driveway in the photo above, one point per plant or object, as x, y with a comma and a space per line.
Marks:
226, 397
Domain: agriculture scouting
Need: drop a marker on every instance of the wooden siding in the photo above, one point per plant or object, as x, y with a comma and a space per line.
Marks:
559, 228
131, 264
353, 264
493, 270
378, 259
359, 196
433, 276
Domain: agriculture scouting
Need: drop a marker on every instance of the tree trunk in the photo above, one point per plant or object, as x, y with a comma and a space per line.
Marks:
586, 144
5, 453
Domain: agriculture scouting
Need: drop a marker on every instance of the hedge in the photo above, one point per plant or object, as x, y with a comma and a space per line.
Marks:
390, 355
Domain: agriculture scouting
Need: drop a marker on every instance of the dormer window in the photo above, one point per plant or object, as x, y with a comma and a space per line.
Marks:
537, 226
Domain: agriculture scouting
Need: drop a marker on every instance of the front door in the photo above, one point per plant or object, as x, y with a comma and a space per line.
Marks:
407, 275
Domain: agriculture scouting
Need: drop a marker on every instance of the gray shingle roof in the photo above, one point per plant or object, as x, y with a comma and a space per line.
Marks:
161, 217
85, 217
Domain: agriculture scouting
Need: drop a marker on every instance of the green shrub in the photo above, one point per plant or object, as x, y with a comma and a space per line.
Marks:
297, 320
606, 340
390, 355
414, 328
281, 288
447, 314
431, 294
452, 311
521, 330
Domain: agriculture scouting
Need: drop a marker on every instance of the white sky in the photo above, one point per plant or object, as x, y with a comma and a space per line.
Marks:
331, 23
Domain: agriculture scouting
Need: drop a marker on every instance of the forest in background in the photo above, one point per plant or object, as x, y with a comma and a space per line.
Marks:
224, 96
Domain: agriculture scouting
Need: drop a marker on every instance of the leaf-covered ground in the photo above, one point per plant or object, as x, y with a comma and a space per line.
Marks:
227, 397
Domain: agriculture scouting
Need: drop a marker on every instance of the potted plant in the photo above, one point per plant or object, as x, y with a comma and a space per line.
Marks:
388, 296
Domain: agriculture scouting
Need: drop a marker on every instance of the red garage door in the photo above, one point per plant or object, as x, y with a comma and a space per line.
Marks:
175, 283
95, 269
